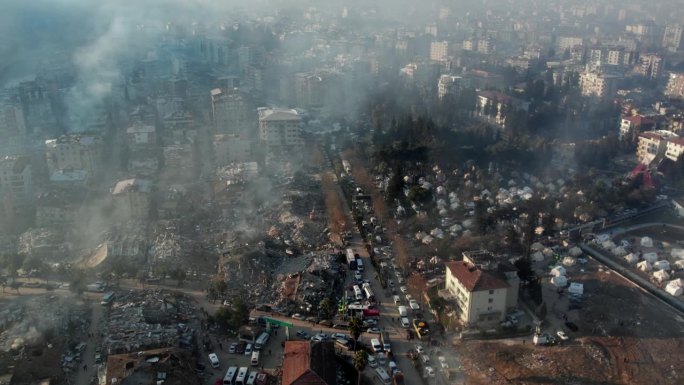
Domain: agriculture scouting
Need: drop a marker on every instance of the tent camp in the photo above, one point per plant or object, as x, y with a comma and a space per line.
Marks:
677, 253
576, 288
631, 258
558, 270
675, 287
646, 242
568, 261
559, 281
650, 257
644, 266
608, 245
661, 276
575, 251
537, 257
661, 265
619, 251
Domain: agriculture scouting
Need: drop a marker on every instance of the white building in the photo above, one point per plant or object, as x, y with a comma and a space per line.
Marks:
482, 292
73, 153
672, 37
439, 50
280, 129
449, 85
675, 86
599, 85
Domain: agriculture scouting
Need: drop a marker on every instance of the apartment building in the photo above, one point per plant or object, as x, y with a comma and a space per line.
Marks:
231, 113
16, 178
439, 51
675, 86
449, 85
600, 85
653, 146
73, 153
483, 287
280, 129
132, 198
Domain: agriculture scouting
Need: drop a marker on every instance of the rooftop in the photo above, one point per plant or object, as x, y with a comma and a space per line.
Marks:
308, 363
141, 185
273, 114
474, 278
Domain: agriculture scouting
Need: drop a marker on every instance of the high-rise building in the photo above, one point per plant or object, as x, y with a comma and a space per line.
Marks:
16, 178
449, 85
598, 84
12, 122
280, 129
230, 112
650, 65
73, 153
439, 50
675, 86
672, 37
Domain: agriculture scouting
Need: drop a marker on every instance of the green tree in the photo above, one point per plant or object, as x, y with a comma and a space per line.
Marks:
355, 329
326, 308
232, 317
360, 362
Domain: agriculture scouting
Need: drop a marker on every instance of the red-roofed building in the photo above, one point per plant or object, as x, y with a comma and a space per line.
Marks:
307, 363
482, 290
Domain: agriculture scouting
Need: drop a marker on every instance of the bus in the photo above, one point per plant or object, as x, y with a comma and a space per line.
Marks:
261, 341
351, 259
251, 380
242, 375
382, 375
357, 293
229, 378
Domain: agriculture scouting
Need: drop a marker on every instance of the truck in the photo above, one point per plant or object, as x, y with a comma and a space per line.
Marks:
385, 338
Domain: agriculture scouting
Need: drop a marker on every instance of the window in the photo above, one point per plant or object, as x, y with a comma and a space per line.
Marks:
491, 292
491, 300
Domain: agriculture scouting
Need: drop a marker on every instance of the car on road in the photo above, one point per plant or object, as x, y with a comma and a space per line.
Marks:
429, 372
342, 336
409, 297
397, 300
298, 316
405, 322
248, 349
392, 367
373, 330
561, 334
413, 304
232, 347
420, 349
442, 362
302, 334
213, 359
403, 289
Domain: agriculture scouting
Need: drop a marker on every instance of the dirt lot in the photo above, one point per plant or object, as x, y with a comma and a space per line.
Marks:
624, 337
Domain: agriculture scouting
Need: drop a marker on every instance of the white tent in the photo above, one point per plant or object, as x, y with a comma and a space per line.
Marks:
674, 290
631, 258
427, 239
455, 228
677, 253
468, 223
443, 212
650, 257
644, 266
437, 233
559, 281
558, 270
537, 257
602, 238
547, 252
646, 242
661, 275
679, 264
537, 246
608, 245
661, 265
619, 251
441, 190
575, 251
576, 288
568, 261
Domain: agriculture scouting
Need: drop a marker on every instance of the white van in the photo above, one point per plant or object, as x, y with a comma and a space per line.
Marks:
255, 358
382, 375
403, 312
213, 359
376, 345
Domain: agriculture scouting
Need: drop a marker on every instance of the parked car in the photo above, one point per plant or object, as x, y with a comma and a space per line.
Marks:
232, 347
405, 322
442, 362
248, 349
302, 334
373, 330
429, 372
403, 289
397, 300
561, 334
240, 348
298, 316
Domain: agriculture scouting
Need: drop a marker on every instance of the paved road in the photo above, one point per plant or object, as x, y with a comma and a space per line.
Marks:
88, 370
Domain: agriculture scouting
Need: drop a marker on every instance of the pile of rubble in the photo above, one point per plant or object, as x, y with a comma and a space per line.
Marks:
150, 319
